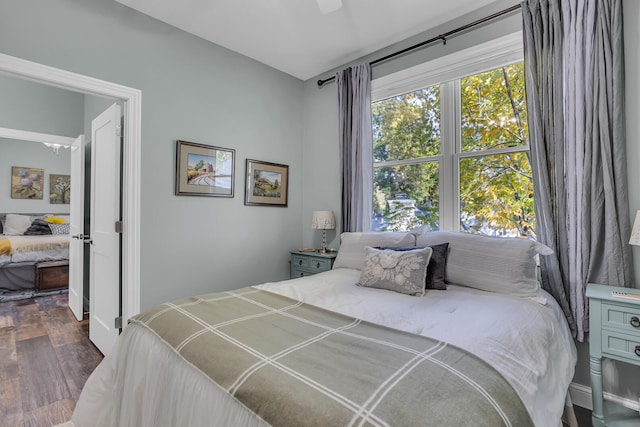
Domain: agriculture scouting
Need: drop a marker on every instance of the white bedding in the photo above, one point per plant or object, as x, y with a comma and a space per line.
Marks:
527, 342
144, 383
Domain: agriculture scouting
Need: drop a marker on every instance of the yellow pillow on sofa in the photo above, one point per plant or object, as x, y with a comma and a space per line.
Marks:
55, 220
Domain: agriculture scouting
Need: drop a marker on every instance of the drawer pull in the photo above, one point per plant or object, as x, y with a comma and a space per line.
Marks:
300, 262
318, 266
635, 322
638, 350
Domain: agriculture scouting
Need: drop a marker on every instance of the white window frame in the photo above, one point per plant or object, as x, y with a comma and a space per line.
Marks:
446, 72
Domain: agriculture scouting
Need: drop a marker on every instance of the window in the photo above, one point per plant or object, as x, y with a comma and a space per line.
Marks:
452, 152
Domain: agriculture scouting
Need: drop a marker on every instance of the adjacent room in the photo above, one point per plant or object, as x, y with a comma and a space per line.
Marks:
319, 212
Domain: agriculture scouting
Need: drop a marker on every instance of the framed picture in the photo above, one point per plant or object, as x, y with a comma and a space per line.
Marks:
267, 184
59, 189
203, 170
27, 183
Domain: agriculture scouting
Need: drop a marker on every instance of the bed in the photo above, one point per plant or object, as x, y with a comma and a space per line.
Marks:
480, 344
20, 252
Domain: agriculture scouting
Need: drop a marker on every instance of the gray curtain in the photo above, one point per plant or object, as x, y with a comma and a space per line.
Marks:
356, 147
574, 72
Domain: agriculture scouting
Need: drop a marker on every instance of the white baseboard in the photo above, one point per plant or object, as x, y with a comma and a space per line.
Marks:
581, 396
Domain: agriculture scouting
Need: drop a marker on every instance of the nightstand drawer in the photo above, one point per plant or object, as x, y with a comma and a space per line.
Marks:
300, 261
318, 265
314, 264
309, 263
621, 345
621, 318
296, 272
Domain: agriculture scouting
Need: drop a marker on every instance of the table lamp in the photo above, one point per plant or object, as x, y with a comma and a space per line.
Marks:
323, 220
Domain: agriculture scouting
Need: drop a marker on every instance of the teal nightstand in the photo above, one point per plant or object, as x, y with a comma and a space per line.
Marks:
309, 263
614, 332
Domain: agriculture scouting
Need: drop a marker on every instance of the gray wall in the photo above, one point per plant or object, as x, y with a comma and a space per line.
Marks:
32, 155
33, 107
320, 143
191, 90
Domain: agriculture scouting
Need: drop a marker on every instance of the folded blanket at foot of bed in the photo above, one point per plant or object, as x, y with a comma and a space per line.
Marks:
294, 364
5, 246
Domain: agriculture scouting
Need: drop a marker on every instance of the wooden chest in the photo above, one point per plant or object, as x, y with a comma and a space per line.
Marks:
52, 275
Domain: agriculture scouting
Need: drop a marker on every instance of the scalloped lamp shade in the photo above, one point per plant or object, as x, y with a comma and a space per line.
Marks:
323, 220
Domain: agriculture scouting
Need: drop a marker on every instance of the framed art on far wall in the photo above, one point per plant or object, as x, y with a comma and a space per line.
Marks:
266, 184
27, 183
204, 170
59, 189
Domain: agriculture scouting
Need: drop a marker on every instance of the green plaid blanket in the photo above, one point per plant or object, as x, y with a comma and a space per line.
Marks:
294, 364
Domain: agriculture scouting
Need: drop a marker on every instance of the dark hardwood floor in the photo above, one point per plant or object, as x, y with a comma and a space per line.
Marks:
45, 359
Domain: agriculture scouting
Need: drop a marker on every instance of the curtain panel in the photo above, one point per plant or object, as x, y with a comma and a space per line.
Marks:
574, 71
356, 147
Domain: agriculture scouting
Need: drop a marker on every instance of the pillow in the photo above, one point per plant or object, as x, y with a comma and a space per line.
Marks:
59, 228
38, 227
437, 264
399, 271
16, 225
496, 264
353, 244
55, 220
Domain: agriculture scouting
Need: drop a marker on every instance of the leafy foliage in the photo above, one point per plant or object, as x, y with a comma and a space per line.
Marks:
496, 190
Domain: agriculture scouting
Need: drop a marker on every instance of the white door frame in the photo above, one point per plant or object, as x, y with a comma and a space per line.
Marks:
132, 111
24, 135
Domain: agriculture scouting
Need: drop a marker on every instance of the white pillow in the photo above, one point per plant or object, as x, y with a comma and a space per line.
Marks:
351, 253
16, 225
399, 271
496, 264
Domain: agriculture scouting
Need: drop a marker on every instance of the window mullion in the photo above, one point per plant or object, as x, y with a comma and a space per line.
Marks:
448, 190
457, 126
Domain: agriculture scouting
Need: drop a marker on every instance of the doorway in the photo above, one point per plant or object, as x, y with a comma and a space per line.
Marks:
131, 140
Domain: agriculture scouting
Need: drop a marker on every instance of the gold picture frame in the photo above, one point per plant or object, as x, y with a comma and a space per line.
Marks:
266, 184
27, 183
59, 189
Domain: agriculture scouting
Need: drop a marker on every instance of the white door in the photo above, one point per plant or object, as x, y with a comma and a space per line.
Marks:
104, 285
76, 246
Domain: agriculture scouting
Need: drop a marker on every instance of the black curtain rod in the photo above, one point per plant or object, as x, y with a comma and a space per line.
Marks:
441, 37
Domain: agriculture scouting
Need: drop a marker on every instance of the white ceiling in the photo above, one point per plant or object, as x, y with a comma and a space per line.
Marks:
294, 36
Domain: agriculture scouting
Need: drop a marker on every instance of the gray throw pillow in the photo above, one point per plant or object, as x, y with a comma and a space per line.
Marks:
38, 228
437, 265
399, 271
59, 228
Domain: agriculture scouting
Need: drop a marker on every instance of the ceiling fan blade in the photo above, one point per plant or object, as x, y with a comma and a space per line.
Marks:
328, 6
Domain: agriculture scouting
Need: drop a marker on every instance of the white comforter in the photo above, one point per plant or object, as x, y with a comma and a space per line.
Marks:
527, 341
142, 382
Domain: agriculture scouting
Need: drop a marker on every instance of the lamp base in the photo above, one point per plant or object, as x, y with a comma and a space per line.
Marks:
324, 242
